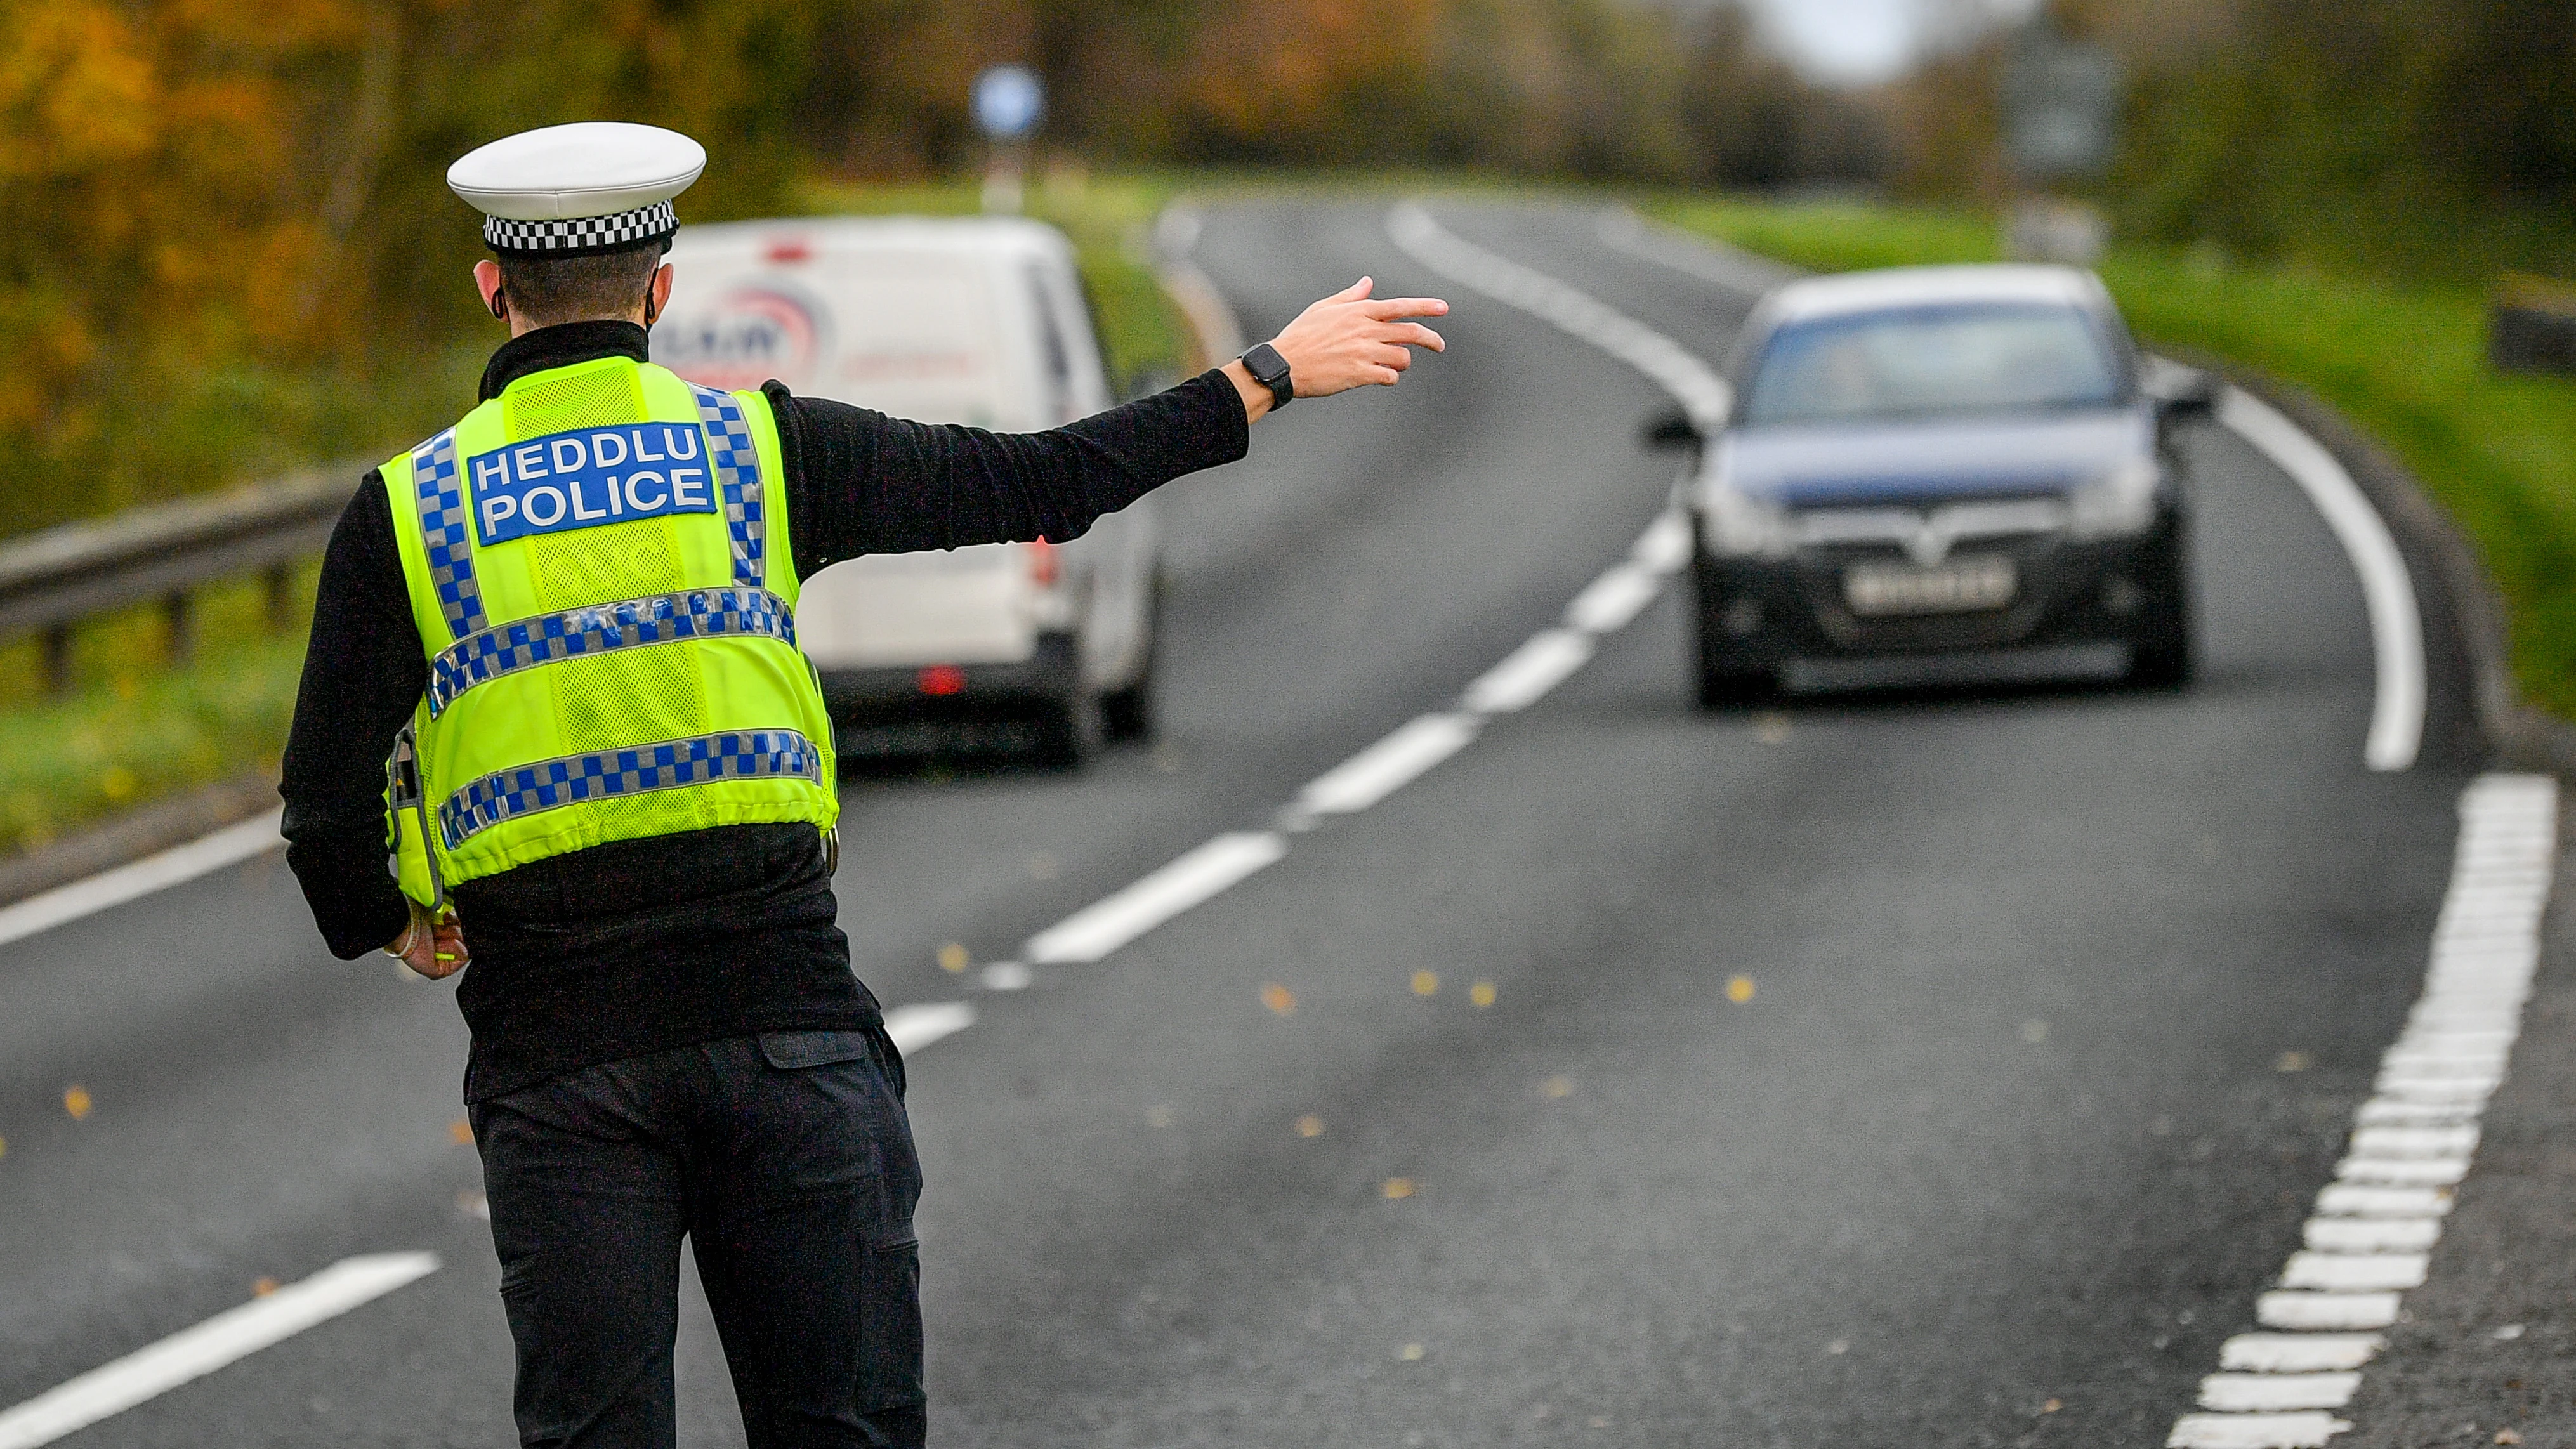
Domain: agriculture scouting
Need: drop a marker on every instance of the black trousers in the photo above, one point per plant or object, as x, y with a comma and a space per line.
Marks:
787, 1160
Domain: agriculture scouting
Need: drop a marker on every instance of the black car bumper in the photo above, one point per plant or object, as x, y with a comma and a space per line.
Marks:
932, 692
1760, 614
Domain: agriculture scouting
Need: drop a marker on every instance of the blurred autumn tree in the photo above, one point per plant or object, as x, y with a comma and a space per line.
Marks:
2429, 138
226, 244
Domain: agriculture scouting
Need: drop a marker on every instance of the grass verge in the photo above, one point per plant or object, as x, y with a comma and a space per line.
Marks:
2407, 364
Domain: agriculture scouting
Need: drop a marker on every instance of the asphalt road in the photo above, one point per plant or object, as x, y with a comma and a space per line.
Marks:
1996, 1153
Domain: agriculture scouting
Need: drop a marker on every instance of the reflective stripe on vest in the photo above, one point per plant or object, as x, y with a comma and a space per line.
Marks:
551, 784
737, 468
626, 624
439, 496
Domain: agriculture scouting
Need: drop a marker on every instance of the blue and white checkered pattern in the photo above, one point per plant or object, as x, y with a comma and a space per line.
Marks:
439, 493
509, 794
737, 466
600, 628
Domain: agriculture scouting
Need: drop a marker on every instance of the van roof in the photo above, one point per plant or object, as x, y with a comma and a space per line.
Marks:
1006, 236
1850, 292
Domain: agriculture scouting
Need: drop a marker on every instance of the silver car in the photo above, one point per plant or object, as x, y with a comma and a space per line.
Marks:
975, 320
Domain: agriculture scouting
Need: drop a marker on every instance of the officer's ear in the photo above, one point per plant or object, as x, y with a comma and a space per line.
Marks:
487, 280
657, 296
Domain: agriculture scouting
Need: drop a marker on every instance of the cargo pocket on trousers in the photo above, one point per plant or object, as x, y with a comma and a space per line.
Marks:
890, 1327
794, 1050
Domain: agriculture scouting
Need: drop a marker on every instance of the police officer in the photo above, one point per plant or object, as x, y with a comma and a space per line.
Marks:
553, 684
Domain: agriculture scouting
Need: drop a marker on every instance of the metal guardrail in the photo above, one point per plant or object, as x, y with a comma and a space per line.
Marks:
52, 580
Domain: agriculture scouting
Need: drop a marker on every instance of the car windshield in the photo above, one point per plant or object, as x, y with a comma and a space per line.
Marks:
1928, 360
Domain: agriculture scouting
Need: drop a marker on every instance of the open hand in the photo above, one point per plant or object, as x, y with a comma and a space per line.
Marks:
434, 946
1350, 339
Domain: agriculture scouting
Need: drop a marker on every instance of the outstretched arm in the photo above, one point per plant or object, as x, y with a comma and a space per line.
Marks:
860, 482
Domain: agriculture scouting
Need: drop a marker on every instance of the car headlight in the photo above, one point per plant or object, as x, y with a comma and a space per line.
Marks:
2120, 501
1737, 523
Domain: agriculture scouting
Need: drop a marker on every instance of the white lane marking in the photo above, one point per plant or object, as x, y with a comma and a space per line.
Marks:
2271, 1392
917, 1026
2354, 1272
2376, 1226
2354, 1200
1526, 674
2298, 1353
2308, 1430
192, 1353
203, 856
1104, 926
1665, 545
2372, 1235
2325, 1310
1611, 602
1701, 392
1387, 766
2388, 593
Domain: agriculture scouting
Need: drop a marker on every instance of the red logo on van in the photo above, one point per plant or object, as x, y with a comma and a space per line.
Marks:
749, 335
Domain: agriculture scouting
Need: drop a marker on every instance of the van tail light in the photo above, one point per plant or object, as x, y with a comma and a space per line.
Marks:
1042, 564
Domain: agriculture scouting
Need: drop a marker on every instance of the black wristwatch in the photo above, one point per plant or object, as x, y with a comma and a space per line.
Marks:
1270, 370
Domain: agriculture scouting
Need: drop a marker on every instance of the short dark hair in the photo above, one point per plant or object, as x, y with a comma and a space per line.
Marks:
545, 291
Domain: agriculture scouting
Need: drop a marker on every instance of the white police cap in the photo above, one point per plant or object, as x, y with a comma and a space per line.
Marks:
577, 190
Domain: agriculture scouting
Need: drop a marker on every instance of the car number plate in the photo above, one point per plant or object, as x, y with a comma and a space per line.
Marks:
1954, 588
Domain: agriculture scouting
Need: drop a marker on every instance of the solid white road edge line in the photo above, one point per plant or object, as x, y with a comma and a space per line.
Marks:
191, 1353
2367, 1244
1176, 236
202, 856
2388, 591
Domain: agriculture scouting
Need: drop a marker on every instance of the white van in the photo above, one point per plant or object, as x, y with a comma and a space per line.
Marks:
973, 320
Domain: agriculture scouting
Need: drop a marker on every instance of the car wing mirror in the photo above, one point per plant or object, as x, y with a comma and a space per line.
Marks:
2187, 394
1673, 429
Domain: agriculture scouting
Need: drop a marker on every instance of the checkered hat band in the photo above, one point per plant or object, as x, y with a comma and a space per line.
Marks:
603, 628
581, 235
610, 774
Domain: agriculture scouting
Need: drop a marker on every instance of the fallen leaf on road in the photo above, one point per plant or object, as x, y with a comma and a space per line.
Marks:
1278, 998
2507, 1436
76, 1101
1410, 1353
2051, 1407
1770, 729
1310, 1125
1425, 982
1839, 1347
1556, 1087
1158, 1116
461, 1132
1740, 990
2293, 1062
263, 1287
1398, 1187
1482, 993
953, 958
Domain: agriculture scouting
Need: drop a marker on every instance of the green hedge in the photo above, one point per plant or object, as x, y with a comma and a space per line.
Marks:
2407, 364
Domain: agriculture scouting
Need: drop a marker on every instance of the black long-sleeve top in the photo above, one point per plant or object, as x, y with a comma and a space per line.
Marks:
642, 945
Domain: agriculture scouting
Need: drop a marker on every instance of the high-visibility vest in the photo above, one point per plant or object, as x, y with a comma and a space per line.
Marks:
598, 563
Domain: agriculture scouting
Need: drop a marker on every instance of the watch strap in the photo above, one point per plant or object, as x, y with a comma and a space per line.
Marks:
1270, 370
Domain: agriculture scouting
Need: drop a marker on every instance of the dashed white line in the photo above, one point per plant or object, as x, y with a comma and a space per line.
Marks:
1526, 674
203, 856
917, 1026
1387, 766
1105, 925
1613, 600
192, 1353
2375, 1227
2298, 1353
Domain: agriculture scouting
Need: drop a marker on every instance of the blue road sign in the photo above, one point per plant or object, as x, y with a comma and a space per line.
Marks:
1008, 102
